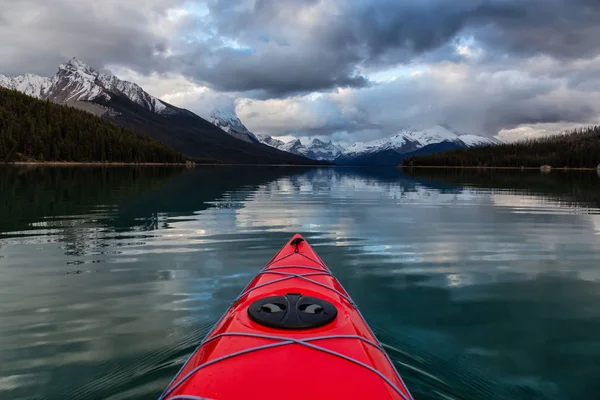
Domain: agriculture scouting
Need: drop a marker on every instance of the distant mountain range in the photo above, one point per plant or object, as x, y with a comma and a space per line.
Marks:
127, 104
386, 151
579, 148
223, 138
316, 149
392, 150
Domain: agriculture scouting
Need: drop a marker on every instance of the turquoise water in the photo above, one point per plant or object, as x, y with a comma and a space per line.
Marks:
480, 285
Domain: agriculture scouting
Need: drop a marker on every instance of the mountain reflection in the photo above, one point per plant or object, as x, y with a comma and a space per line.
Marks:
79, 206
480, 285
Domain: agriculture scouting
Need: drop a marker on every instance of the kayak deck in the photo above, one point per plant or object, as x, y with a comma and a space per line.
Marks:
244, 358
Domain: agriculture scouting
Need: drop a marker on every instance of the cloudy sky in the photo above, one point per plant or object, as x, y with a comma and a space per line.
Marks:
351, 70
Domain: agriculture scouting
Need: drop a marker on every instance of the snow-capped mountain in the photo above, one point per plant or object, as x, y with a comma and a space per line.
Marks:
316, 149
77, 82
474, 140
381, 151
323, 150
30, 84
401, 142
127, 104
435, 134
230, 123
436, 138
294, 147
270, 141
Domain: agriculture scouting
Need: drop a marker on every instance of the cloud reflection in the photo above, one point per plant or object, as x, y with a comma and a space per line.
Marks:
160, 265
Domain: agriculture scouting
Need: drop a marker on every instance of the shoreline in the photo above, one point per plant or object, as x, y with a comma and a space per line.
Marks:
86, 163
505, 168
126, 164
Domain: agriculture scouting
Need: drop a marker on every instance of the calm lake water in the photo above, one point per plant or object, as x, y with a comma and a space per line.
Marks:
481, 285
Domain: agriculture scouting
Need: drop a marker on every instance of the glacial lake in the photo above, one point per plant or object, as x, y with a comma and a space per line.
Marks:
481, 285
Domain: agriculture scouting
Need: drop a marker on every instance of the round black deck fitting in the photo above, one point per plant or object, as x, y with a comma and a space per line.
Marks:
292, 311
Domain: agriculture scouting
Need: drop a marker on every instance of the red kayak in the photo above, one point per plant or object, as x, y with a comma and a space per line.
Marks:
294, 333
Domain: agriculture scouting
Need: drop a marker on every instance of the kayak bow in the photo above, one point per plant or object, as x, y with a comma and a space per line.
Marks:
293, 333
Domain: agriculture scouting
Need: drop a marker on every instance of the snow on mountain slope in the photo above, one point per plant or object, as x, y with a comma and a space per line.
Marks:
401, 142
270, 141
316, 149
30, 84
126, 104
294, 147
409, 140
405, 141
435, 134
228, 120
76, 81
322, 150
133, 92
230, 123
474, 140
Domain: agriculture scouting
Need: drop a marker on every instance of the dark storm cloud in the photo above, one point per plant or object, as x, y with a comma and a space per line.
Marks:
272, 72
284, 47
266, 49
38, 35
287, 54
390, 30
303, 46
564, 29
470, 99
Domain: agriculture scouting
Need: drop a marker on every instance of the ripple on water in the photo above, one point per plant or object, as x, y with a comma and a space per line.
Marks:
475, 292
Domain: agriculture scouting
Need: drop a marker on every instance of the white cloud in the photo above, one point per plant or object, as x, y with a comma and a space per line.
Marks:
262, 58
463, 95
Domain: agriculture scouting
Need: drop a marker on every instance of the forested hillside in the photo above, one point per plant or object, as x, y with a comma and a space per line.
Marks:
126, 104
35, 130
576, 149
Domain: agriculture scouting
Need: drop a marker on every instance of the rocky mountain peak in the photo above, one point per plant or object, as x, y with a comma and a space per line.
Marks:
230, 123
77, 82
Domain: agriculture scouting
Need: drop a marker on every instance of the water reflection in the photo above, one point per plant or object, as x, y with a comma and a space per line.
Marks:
480, 285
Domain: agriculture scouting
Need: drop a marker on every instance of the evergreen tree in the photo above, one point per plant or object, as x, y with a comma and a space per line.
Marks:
579, 148
35, 130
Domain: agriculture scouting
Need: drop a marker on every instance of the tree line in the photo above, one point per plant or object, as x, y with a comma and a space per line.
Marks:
579, 148
36, 130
